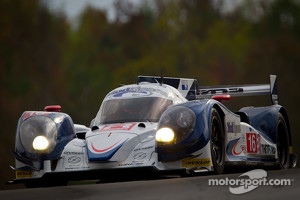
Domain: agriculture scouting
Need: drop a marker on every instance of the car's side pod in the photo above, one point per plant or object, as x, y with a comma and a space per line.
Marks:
265, 120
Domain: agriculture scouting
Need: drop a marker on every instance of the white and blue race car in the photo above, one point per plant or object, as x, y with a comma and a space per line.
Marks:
159, 125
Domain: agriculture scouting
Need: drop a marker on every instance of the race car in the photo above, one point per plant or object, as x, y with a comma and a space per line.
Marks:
159, 125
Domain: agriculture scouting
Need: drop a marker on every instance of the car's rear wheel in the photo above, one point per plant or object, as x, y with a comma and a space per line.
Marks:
282, 143
217, 142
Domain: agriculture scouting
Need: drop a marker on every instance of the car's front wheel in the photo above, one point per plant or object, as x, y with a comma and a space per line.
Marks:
217, 142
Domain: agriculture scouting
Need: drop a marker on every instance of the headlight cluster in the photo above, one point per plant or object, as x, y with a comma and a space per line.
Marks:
38, 134
175, 125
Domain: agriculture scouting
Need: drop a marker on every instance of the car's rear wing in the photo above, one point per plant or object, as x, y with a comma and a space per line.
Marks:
242, 90
190, 89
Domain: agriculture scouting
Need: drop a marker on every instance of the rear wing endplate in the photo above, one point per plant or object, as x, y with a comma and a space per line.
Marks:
242, 90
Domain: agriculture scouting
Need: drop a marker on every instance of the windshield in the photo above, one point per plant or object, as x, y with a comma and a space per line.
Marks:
133, 110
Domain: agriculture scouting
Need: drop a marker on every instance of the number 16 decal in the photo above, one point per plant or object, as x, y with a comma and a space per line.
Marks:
251, 142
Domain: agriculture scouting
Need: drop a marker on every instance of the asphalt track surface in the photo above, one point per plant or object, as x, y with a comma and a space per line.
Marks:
171, 188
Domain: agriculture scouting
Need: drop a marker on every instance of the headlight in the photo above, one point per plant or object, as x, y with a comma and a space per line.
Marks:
175, 125
38, 134
40, 143
164, 135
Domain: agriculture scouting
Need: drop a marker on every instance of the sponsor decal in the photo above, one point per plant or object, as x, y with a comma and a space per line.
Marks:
117, 127
184, 85
143, 148
133, 163
132, 92
249, 181
126, 164
76, 168
136, 91
23, 174
73, 153
232, 128
267, 149
221, 90
140, 156
196, 162
238, 148
74, 159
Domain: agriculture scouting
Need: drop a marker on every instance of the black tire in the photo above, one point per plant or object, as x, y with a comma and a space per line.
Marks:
217, 142
282, 137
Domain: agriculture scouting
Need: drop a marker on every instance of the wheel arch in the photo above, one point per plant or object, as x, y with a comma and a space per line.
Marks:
283, 112
221, 113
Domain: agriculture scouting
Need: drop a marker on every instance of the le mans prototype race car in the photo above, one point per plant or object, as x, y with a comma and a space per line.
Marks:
159, 125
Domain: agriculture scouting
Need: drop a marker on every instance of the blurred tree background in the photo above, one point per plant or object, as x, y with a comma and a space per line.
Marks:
45, 60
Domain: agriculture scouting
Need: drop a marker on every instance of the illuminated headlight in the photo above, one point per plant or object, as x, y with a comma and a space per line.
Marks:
175, 125
40, 143
165, 135
38, 134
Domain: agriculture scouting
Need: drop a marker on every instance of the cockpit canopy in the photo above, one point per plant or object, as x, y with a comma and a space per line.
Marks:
145, 109
137, 103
